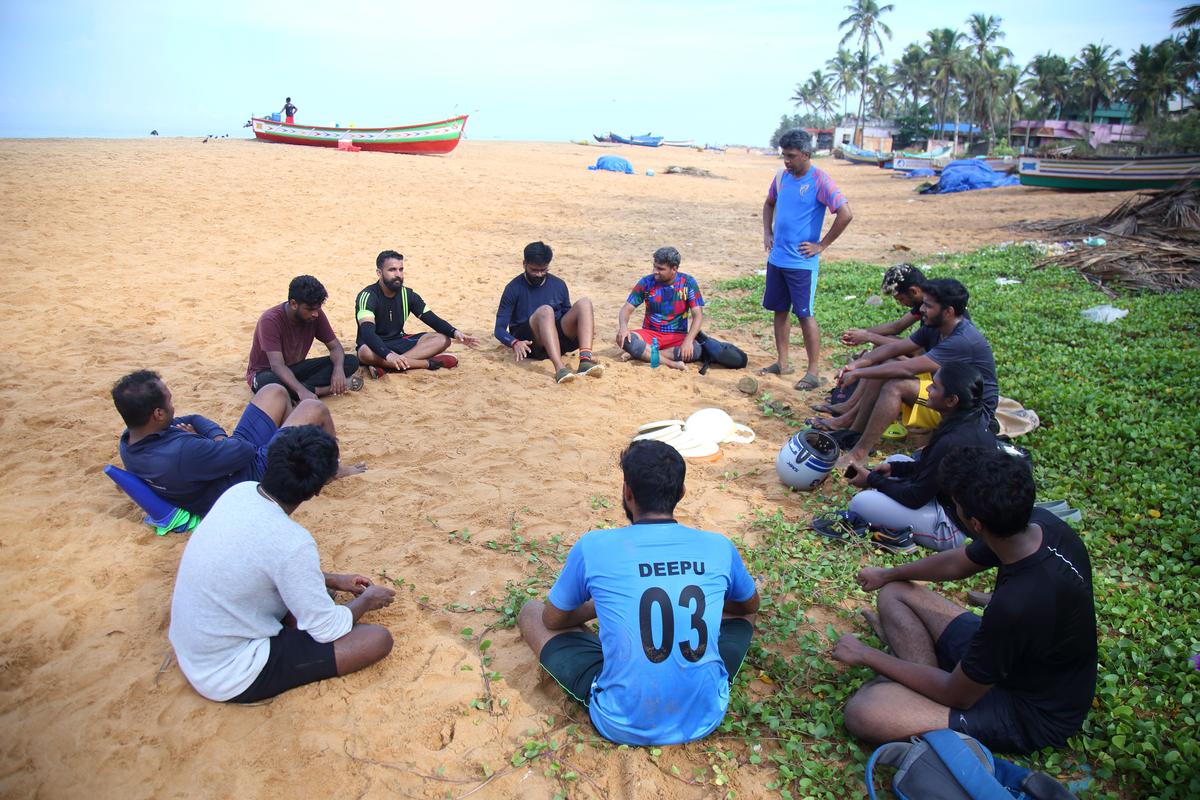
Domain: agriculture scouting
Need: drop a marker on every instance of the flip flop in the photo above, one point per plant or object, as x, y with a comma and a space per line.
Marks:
808, 383
355, 383
820, 424
822, 408
895, 432
774, 370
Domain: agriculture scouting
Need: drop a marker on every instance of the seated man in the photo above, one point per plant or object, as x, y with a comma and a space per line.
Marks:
537, 319
282, 338
381, 311
683, 594
1018, 679
946, 334
251, 616
674, 313
190, 460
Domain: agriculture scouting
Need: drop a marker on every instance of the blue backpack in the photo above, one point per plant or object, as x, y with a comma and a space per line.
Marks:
947, 765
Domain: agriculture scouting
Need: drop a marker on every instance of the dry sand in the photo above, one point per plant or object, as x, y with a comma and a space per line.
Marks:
162, 253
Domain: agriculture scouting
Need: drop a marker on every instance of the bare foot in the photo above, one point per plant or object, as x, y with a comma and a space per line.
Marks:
346, 470
625, 356
679, 365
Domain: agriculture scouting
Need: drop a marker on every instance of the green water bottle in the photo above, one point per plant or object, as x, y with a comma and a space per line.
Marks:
654, 352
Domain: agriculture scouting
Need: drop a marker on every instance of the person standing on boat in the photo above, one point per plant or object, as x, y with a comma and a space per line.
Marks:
792, 216
289, 112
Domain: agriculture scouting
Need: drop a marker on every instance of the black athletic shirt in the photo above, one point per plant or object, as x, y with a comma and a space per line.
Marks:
1037, 639
381, 317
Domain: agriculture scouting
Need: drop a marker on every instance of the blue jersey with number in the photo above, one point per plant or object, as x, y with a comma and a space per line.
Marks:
659, 589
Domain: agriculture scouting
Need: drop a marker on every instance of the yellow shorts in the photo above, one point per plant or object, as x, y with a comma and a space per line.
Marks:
919, 415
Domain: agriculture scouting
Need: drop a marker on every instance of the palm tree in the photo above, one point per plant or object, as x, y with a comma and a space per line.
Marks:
879, 83
1048, 81
864, 23
1007, 83
813, 94
1094, 74
945, 64
910, 75
1153, 78
982, 31
843, 73
1186, 17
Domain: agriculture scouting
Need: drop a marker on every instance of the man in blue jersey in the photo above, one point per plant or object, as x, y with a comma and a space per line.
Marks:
676, 609
792, 216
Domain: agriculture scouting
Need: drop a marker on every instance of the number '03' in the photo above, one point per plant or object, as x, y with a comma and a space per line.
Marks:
656, 596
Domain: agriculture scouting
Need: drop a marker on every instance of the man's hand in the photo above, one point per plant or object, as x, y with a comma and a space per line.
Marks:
768, 242
465, 338
860, 476
354, 584
849, 650
883, 470
846, 376
183, 426
685, 350
376, 597
623, 336
337, 384
855, 336
871, 579
303, 393
397, 361
522, 348
346, 470
811, 248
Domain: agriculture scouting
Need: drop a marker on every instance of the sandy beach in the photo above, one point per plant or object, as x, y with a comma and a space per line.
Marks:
161, 254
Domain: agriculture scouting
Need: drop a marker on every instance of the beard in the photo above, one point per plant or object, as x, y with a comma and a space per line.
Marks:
535, 281
628, 511
395, 284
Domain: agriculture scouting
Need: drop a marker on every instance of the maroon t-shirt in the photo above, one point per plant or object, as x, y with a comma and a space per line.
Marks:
276, 333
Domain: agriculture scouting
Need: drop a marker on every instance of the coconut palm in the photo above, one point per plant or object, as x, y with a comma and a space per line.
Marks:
843, 74
982, 31
879, 89
1153, 78
1186, 17
944, 61
814, 94
1048, 83
864, 23
910, 74
1095, 74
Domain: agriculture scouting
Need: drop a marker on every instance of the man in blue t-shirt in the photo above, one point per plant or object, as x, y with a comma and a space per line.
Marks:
674, 313
792, 216
892, 383
676, 609
537, 319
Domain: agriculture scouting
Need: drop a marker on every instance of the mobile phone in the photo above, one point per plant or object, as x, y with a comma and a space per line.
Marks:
851, 471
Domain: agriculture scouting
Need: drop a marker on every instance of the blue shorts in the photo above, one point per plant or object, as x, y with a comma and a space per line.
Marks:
794, 289
257, 428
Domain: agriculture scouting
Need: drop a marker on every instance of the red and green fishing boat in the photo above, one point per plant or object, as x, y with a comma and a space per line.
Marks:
430, 137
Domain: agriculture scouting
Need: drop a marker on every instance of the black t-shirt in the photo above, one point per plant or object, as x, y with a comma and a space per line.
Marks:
388, 314
1037, 639
965, 343
289, 110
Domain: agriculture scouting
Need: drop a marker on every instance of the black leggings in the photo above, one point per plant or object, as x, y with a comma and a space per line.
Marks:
312, 372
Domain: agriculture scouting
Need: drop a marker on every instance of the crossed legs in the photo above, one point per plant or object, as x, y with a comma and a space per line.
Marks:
578, 323
430, 344
879, 408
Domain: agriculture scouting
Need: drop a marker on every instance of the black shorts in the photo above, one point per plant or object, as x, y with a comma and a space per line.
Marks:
566, 344
575, 659
296, 659
402, 344
995, 719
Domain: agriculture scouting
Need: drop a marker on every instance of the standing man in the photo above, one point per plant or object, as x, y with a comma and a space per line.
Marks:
289, 112
1018, 679
537, 320
792, 217
674, 313
380, 312
282, 338
252, 616
676, 608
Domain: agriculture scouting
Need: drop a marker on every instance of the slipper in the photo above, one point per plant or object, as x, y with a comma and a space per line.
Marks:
376, 372
565, 375
779, 408
895, 432
808, 383
774, 370
443, 360
839, 525
822, 408
355, 383
820, 424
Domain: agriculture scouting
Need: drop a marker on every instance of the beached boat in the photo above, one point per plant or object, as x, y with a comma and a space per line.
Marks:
679, 142
1109, 174
856, 155
909, 163
641, 141
430, 137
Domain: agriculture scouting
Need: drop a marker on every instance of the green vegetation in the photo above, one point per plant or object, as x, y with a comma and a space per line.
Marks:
1120, 439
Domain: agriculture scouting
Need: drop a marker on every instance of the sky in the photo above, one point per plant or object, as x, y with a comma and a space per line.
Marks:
715, 72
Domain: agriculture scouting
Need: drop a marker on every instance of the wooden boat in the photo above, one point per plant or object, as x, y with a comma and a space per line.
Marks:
856, 155
430, 137
642, 141
1109, 174
909, 163
679, 142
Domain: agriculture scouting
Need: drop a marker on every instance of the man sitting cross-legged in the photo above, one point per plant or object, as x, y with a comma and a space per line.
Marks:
190, 460
674, 313
251, 616
380, 312
676, 608
537, 320
1018, 679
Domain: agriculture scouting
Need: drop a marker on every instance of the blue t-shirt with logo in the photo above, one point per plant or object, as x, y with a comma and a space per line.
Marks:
659, 590
800, 205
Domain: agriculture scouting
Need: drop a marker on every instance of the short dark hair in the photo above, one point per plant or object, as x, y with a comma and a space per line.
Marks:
300, 461
137, 395
962, 380
538, 253
900, 278
796, 139
386, 255
307, 291
654, 472
992, 485
668, 256
948, 293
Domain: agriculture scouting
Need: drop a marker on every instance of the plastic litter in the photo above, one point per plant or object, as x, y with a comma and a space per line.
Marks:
1007, 282
874, 300
1095, 241
1105, 313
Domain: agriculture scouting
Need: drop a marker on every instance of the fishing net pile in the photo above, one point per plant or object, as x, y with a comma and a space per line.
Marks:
1152, 242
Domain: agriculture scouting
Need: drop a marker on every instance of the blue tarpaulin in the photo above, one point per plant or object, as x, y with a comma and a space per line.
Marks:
967, 174
613, 164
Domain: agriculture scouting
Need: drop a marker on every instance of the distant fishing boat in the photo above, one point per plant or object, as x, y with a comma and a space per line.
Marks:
641, 141
427, 138
679, 142
1109, 174
856, 155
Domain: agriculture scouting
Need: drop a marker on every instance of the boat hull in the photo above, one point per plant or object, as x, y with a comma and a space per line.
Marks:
425, 139
1109, 174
